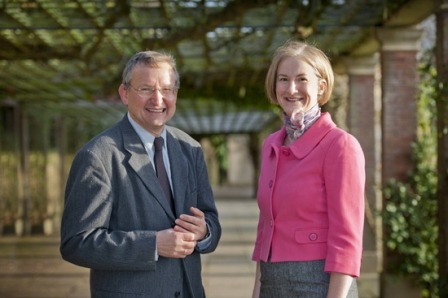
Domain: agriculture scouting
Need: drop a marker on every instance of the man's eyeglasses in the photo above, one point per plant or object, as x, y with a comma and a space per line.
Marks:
149, 91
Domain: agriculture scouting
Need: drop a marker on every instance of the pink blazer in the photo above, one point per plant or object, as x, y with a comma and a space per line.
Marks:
311, 199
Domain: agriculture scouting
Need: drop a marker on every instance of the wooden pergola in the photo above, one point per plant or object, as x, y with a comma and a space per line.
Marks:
61, 63
72, 50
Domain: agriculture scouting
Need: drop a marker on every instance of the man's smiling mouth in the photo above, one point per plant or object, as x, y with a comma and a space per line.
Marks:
156, 110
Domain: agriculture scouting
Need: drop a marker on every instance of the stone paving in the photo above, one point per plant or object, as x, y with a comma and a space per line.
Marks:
229, 271
32, 267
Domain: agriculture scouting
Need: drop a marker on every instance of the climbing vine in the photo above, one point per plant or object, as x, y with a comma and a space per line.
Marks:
410, 211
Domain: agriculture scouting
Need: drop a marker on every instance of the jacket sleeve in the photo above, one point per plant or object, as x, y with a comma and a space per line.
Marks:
344, 174
206, 203
86, 238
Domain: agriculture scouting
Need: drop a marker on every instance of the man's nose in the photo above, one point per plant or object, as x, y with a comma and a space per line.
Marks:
157, 97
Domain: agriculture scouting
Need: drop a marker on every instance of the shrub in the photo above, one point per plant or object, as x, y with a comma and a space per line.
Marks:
410, 210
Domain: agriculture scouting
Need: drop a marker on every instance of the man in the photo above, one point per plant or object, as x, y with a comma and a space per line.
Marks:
137, 239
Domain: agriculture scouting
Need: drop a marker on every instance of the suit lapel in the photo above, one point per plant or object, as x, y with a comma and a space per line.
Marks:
179, 172
140, 163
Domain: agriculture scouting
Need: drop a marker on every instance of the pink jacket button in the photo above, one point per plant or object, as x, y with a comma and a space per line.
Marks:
286, 152
313, 237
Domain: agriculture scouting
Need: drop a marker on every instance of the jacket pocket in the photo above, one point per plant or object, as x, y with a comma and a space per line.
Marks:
311, 236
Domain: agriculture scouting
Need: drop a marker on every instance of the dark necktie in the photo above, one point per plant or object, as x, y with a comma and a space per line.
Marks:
161, 171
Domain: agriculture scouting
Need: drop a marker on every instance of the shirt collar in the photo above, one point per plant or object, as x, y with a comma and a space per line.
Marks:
146, 137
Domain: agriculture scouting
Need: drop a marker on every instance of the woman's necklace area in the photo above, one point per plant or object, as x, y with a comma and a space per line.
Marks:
299, 122
288, 140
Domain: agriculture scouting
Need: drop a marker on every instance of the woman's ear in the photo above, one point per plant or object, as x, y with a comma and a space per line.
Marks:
322, 87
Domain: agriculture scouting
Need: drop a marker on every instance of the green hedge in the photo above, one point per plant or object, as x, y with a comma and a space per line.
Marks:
410, 210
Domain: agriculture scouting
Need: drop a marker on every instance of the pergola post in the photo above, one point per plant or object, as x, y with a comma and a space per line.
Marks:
364, 122
399, 82
442, 142
24, 227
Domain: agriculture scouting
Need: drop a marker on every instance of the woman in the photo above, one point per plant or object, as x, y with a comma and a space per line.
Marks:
311, 187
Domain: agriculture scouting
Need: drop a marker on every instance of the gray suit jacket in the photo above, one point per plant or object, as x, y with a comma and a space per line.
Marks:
114, 205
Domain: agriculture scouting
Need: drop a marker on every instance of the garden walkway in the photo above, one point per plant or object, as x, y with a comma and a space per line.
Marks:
31, 267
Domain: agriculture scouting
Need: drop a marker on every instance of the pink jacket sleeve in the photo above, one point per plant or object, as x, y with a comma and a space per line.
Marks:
344, 174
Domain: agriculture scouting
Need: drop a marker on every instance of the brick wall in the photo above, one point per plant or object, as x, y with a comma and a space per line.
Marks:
399, 116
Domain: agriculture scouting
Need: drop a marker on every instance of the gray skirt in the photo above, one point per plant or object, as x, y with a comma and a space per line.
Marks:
297, 279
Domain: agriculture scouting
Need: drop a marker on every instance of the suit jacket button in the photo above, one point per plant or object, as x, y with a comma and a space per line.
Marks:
177, 294
313, 237
271, 183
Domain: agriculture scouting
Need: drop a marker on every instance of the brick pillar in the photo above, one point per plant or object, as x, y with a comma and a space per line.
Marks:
240, 167
364, 118
399, 82
364, 123
399, 86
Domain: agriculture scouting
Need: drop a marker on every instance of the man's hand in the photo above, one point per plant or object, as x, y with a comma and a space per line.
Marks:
194, 223
175, 244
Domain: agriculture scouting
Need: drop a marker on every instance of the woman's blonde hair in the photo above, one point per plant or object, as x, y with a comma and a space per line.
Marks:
309, 54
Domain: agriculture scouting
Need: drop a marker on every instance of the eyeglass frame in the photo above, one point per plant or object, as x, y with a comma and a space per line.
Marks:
149, 91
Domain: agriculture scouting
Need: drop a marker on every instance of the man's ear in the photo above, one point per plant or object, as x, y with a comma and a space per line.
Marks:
123, 94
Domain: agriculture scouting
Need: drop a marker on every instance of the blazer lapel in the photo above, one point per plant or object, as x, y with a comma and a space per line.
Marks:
140, 163
179, 172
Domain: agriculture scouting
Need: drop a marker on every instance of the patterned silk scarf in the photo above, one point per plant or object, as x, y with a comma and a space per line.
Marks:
300, 121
